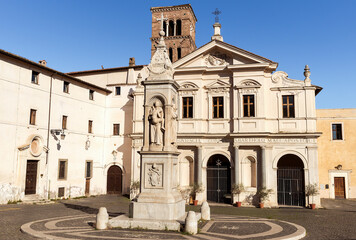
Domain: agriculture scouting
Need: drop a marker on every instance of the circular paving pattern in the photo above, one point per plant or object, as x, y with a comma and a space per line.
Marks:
220, 227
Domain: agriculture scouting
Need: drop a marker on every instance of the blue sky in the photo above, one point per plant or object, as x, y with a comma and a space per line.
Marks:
84, 34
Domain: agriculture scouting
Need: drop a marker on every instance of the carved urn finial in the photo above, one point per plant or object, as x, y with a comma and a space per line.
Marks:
307, 80
307, 71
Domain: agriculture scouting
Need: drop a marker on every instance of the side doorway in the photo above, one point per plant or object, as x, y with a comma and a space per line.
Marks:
31, 177
339, 185
290, 181
114, 180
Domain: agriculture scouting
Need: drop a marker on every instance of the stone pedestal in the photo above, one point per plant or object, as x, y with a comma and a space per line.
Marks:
159, 198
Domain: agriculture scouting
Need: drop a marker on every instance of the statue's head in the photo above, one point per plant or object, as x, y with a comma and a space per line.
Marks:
157, 103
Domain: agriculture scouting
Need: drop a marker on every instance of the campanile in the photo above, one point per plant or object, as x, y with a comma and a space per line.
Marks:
179, 29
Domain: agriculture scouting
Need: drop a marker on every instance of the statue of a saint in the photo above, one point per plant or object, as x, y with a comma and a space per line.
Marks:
156, 118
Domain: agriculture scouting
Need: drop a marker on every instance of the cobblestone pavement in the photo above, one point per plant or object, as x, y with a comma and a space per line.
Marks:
220, 227
337, 223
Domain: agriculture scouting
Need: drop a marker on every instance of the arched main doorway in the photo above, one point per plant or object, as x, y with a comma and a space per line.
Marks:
218, 178
114, 180
290, 181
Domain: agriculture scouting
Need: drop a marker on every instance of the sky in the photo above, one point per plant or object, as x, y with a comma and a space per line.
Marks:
76, 35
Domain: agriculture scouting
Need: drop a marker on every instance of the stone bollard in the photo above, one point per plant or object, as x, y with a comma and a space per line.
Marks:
205, 211
102, 219
191, 223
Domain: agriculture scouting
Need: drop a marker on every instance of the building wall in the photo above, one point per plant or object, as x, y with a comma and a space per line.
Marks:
337, 152
17, 96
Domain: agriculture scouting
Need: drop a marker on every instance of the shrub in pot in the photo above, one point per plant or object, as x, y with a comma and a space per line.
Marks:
237, 189
311, 190
196, 188
263, 194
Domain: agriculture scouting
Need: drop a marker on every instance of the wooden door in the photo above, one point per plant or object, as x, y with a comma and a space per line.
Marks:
31, 177
87, 186
114, 180
339, 183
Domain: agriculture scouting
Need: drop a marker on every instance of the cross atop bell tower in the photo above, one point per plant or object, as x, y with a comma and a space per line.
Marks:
178, 25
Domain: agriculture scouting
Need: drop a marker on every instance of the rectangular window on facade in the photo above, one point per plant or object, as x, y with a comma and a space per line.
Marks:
90, 126
88, 169
91, 94
288, 106
188, 107
337, 131
66, 87
249, 105
116, 129
62, 169
64, 122
34, 78
33, 117
218, 107
117, 91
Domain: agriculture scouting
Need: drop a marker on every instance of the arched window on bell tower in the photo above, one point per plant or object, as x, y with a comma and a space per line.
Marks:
170, 28
165, 28
171, 54
179, 53
179, 27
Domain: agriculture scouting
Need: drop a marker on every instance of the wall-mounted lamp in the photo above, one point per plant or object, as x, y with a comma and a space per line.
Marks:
87, 144
56, 132
114, 153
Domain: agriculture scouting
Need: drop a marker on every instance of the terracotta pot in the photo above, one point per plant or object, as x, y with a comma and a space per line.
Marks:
238, 204
312, 206
262, 205
195, 202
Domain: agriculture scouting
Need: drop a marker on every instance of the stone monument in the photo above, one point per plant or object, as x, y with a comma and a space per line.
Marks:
159, 204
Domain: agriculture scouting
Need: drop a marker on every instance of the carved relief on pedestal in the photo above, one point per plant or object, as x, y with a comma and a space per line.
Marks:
153, 175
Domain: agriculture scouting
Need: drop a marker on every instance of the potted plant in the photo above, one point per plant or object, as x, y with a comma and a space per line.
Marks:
237, 189
312, 190
263, 195
185, 192
196, 188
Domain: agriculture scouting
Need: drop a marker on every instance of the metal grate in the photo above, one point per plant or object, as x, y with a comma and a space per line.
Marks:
291, 187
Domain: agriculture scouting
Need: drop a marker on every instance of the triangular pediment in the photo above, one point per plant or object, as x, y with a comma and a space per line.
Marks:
217, 84
217, 54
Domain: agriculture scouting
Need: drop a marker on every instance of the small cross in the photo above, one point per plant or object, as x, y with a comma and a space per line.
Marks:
216, 13
162, 19
218, 162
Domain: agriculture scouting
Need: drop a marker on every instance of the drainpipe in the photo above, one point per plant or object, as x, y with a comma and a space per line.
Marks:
48, 132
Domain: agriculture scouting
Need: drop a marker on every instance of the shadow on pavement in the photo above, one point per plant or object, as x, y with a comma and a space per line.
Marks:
89, 210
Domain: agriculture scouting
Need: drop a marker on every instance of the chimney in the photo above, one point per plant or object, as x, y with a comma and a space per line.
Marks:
43, 62
132, 62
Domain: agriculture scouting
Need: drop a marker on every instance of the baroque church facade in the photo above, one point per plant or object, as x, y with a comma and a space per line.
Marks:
240, 121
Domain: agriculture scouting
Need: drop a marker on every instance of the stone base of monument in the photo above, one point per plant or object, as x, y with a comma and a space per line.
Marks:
124, 221
152, 207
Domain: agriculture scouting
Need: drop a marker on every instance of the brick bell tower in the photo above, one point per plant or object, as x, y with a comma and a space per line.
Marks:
179, 28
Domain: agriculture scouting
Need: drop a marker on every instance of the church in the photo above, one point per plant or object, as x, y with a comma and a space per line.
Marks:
239, 121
